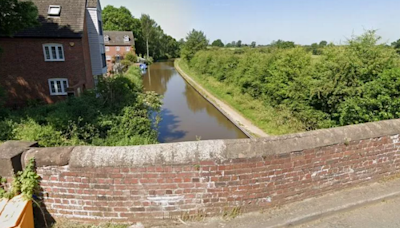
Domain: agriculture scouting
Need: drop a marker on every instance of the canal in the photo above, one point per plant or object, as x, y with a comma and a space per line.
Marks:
186, 115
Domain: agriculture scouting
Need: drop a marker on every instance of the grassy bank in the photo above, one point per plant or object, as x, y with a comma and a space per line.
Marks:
289, 90
271, 120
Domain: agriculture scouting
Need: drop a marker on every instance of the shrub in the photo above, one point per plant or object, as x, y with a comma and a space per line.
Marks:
131, 57
353, 83
118, 113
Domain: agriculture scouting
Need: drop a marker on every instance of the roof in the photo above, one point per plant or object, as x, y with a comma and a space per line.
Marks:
117, 38
92, 3
69, 24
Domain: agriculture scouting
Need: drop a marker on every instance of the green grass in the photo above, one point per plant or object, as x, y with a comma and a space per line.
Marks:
269, 119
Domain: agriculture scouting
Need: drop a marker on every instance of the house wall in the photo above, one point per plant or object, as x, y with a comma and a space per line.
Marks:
24, 73
159, 183
112, 51
96, 40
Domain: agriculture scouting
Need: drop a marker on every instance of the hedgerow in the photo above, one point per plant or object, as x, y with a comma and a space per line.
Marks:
353, 83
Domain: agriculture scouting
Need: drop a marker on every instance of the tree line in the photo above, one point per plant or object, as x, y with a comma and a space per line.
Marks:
314, 48
352, 83
150, 39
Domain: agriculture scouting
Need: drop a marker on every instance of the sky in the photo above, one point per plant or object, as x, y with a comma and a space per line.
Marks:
263, 21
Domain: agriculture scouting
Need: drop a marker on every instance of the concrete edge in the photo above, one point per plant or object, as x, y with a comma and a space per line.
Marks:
336, 210
211, 99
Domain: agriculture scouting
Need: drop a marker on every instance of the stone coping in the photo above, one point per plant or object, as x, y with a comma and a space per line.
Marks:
215, 150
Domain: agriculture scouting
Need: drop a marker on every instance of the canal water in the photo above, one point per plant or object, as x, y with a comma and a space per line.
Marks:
186, 115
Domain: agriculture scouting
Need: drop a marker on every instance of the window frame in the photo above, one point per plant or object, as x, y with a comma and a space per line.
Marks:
63, 91
54, 14
127, 48
100, 24
117, 48
126, 39
49, 46
104, 59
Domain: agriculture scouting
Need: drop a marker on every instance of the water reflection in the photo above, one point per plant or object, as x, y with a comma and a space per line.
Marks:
186, 115
169, 127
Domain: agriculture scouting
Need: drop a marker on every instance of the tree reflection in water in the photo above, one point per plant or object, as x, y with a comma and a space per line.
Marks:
185, 114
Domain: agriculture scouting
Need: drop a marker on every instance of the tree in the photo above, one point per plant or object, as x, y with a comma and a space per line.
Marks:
148, 28
315, 49
217, 43
396, 45
16, 16
253, 44
239, 43
283, 44
195, 41
323, 43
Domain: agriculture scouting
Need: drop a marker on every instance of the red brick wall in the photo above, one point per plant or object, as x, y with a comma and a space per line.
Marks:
112, 51
159, 193
24, 72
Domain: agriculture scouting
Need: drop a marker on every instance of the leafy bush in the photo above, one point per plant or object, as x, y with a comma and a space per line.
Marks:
131, 57
117, 113
353, 83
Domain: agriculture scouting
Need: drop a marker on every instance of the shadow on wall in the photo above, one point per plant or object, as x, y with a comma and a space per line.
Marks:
42, 215
24, 73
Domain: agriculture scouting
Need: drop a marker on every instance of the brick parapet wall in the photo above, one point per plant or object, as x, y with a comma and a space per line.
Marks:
157, 183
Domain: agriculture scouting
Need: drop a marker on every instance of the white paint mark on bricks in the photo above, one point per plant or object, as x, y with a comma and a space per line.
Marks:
395, 138
165, 200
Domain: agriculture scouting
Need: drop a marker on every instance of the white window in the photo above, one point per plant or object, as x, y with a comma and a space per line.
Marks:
107, 48
54, 10
106, 38
127, 48
108, 57
53, 52
58, 86
117, 48
126, 38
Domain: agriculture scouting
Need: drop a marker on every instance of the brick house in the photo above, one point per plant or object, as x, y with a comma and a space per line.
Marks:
62, 57
117, 44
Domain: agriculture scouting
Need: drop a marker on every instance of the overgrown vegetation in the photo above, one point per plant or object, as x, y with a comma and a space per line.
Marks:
118, 113
25, 183
353, 83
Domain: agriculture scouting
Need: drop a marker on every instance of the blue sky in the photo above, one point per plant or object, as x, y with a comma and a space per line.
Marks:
302, 21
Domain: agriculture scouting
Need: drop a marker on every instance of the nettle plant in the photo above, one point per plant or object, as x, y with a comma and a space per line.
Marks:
25, 183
